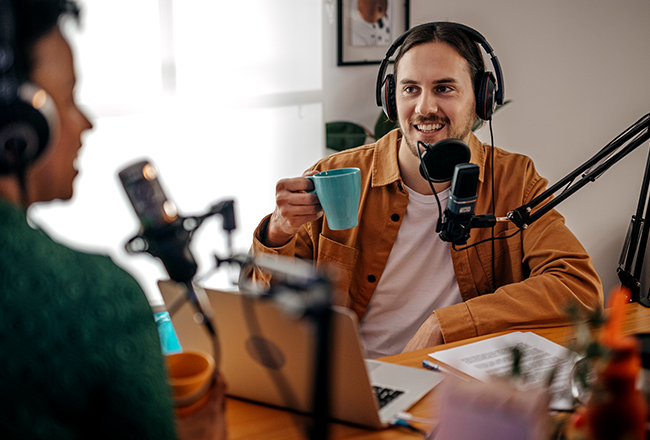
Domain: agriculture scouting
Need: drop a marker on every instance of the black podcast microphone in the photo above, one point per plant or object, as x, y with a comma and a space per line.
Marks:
162, 233
460, 206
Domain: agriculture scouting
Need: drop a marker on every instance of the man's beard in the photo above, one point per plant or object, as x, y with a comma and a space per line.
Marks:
460, 133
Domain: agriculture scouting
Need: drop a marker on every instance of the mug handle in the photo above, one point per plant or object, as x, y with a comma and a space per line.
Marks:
312, 179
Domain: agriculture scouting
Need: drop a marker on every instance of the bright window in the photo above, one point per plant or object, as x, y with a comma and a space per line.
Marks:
224, 97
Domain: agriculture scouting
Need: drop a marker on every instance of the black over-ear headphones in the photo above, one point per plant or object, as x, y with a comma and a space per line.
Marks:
28, 116
488, 90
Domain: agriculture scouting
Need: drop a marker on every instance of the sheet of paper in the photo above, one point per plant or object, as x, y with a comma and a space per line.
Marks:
493, 358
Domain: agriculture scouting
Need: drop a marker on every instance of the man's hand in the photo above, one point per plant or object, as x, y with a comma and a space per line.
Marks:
293, 208
428, 335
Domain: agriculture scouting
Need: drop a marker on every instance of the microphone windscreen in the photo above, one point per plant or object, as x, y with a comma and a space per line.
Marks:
441, 158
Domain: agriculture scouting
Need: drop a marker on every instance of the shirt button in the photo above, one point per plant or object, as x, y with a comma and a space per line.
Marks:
372, 278
394, 217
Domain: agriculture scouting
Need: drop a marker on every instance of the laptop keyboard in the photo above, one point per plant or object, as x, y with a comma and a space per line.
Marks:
385, 395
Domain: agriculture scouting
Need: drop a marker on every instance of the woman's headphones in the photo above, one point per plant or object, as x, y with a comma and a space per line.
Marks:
27, 114
489, 91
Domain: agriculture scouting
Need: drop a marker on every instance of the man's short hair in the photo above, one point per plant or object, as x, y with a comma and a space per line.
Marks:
453, 36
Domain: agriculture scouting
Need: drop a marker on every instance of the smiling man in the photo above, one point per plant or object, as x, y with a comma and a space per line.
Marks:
409, 289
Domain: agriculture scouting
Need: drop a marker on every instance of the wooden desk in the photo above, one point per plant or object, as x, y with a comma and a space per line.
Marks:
252, 421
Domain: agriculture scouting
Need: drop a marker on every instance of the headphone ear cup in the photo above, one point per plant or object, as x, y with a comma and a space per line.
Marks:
485, 92
25, 131
388, 102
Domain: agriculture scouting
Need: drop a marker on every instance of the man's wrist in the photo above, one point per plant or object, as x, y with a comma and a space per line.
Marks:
270, 238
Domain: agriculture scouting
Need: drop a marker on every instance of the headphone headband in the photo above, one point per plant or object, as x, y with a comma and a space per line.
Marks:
471, 33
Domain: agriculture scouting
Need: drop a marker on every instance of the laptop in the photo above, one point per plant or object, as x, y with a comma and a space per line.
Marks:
268, 356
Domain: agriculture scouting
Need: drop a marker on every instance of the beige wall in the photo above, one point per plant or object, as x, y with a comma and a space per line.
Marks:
578, 72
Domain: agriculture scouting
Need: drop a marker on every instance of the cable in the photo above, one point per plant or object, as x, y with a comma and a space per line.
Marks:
492, 239
16, 150
404, 424
486, 240
494, 271
425, 171
411, 418
22, 181
403, 419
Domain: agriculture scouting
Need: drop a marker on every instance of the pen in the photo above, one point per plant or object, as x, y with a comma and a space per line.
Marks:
426, 363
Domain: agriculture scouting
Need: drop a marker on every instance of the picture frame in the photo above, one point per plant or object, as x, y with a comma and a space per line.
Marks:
361, 42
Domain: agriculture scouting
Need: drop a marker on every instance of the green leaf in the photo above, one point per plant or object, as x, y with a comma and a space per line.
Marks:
341, 135
384, 126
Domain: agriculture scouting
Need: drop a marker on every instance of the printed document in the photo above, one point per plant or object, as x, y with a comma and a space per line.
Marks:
493, 357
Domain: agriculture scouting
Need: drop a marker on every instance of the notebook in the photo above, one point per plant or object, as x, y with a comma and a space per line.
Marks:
268, 356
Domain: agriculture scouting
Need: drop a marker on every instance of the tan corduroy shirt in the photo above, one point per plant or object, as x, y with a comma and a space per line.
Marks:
538, 272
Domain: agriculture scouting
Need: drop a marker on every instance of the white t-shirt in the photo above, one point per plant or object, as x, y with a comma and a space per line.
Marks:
418, 279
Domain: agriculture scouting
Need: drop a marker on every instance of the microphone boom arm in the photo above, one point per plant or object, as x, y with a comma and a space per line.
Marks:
636, 135
637, 236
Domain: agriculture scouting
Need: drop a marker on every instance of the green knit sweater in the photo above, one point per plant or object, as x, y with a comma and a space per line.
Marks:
79, 351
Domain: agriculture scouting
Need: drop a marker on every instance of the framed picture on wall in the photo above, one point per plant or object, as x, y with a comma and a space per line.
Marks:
367, 28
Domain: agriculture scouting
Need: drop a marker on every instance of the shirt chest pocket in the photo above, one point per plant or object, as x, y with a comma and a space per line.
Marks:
342, 261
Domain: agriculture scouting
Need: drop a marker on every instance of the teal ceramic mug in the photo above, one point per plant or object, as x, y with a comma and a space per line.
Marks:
339, 191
